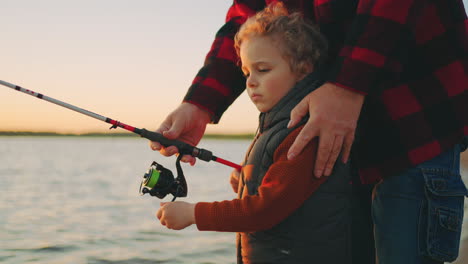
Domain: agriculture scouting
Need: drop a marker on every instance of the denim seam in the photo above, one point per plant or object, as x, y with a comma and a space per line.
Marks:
449, 210
439, 170
420, 227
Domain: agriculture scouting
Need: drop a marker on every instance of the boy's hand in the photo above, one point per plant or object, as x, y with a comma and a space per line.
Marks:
176, 215
234, 180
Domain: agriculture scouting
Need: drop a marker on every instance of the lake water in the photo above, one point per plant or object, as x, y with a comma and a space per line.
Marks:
75, 200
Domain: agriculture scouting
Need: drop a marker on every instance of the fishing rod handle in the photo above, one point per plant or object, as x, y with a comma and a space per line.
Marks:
184, 148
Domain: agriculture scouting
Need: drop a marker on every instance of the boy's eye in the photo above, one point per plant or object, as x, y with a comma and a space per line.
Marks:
264, 70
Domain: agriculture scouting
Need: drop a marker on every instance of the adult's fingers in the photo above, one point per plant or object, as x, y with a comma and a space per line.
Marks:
159, 214
234, 181
174, 132
298, 112
307, 133
336, 149
155, 145
171, 150
170, 130
168, 151
163, 150
189, 159
347, 144
324, 150
163, 127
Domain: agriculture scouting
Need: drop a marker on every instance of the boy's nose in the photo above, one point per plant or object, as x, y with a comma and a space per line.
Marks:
251, 81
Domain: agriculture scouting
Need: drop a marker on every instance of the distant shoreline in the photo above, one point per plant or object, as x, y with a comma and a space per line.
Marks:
54, 134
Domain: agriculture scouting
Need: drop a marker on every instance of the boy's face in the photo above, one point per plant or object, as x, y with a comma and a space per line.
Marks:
268, 74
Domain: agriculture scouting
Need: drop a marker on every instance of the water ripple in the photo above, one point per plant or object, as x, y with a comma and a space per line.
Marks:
2, 258
45, 249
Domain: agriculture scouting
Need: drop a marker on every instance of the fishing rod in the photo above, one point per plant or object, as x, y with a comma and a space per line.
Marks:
157, 175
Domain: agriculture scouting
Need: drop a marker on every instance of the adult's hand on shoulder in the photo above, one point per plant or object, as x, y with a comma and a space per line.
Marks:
334, 112
186, 123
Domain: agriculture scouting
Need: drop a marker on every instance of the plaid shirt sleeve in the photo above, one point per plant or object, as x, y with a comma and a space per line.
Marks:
220, 81
379, 27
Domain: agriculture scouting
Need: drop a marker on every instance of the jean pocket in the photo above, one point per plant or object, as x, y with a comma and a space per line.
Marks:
443, 214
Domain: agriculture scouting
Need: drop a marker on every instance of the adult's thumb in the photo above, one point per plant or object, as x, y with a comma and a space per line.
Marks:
174, 131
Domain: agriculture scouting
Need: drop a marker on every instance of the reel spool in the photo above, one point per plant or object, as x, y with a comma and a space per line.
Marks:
159, 181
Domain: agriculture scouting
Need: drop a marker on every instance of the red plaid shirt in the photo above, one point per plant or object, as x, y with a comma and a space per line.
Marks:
409, 57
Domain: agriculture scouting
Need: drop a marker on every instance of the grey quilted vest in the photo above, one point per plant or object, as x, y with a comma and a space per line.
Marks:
289, 241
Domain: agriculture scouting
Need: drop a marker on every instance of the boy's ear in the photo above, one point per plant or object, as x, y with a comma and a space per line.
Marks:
305, 71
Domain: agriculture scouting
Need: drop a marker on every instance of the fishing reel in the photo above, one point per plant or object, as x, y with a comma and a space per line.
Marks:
159, 181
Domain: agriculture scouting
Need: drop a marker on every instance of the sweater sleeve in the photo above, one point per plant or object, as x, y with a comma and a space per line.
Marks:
374, 45
285, 186
220, 81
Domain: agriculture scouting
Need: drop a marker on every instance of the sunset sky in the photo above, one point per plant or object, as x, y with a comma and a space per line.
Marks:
128, 60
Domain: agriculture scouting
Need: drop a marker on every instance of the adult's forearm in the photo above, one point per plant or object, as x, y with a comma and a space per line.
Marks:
220, 81
215, 88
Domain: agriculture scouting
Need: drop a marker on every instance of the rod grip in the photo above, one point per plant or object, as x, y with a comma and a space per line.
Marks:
184, 148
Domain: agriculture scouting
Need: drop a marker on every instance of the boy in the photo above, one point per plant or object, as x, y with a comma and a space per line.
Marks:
283, 214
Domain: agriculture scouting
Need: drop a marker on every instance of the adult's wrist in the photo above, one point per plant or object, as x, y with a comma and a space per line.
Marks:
205, 114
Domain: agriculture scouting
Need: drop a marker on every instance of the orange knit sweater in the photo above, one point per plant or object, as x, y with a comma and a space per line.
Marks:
285, 186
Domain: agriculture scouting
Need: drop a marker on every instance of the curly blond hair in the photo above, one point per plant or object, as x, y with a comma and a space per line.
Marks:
301, 42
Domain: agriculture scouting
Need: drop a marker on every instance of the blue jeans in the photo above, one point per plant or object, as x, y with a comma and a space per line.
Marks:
418, 214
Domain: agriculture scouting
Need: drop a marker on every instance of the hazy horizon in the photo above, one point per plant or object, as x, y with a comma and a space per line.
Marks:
118, 132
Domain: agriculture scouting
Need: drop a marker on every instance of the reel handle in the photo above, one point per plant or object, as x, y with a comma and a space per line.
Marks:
184, 148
